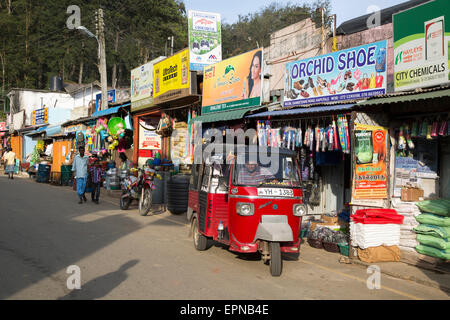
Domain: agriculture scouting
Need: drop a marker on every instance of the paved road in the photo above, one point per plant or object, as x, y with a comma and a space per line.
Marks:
121, 255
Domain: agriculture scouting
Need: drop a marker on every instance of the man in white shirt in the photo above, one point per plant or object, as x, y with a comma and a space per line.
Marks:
80, 169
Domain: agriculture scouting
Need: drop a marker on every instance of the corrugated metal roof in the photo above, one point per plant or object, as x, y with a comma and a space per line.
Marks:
297, 111
408, 96
224, 115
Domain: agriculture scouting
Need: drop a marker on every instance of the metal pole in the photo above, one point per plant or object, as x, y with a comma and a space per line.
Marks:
102, 60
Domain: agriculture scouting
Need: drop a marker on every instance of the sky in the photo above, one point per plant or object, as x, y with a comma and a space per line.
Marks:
230, 9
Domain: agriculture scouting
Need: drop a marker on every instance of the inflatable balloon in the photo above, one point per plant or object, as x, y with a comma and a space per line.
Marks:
115, 124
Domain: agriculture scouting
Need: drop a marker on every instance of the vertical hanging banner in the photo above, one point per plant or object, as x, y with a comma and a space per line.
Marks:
205, 39
370, 153
355, 73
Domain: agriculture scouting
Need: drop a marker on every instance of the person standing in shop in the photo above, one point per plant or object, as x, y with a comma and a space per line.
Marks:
80, 170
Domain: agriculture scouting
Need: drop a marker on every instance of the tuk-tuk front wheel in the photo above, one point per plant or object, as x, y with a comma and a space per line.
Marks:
200, 241
276, 263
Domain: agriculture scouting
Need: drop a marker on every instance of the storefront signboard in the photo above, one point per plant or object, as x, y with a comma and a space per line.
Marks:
75, 128
205, 39
421, 46
370, 164
142, 85
233, 83
148, 139
355, 73
40, 116
171, 78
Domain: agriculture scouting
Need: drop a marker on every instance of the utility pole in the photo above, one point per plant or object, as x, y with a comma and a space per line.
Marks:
100, 33
323, 31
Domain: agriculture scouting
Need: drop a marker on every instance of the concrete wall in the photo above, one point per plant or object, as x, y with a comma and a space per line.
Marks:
59, 105
298, 41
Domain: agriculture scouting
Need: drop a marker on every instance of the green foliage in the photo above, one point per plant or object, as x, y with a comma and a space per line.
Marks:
36, 43
254, 29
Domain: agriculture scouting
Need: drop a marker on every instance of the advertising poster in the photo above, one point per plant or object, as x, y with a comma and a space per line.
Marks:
421, 46
355, 73
205, 39
2, 127
171, 77
98, 99
370, 152
233, 83
142, 85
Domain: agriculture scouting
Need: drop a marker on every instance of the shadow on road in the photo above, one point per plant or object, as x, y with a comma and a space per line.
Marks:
101, 286
43, 230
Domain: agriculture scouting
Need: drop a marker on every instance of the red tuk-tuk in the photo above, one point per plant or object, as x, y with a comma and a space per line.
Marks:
252, 205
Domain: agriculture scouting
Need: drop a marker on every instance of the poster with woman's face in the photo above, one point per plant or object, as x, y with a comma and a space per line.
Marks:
233, 83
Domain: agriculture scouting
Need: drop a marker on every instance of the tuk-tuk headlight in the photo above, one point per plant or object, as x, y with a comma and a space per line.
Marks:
300, 210
245, 209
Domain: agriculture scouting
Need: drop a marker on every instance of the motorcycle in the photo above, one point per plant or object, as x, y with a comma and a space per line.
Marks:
131, 188
146, 199
139, 188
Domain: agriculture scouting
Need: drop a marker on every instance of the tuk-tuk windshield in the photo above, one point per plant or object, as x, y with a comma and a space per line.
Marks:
281, 173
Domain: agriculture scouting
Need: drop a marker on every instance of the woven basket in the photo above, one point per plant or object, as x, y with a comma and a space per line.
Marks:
330, 247
315, 243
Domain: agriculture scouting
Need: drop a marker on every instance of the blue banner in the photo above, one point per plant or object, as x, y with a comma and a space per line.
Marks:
355, 73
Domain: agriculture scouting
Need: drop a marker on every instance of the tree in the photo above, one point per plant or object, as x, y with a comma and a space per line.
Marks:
254, 29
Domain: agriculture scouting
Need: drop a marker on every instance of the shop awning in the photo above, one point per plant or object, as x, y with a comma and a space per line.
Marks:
224, 115
37, 131
300, 111
109, 111
53, 130
406, 97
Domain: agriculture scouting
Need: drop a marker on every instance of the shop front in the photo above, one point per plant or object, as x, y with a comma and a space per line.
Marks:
319, 119
419, 173
177, 93
146, 115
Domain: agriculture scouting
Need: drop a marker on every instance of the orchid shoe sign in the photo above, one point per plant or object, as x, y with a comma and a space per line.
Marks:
355, 73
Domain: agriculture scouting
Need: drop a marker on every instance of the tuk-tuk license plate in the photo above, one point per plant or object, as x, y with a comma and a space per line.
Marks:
275, 192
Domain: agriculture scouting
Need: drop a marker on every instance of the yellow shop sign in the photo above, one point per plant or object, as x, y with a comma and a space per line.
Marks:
171, 78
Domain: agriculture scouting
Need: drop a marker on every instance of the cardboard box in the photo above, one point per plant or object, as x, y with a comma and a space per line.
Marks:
332, 226
329, 220
412, 194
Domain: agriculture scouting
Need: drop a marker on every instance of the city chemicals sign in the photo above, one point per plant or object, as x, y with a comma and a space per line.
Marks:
355, 73
421, 46
205, 39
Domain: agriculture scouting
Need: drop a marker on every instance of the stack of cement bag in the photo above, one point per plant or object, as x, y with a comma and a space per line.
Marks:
433, 232
408, 238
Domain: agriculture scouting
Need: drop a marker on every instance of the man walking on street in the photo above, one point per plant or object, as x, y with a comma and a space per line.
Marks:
97, 176
10, 162
80, 168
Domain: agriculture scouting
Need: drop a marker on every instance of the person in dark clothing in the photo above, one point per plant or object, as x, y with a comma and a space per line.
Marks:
97, 175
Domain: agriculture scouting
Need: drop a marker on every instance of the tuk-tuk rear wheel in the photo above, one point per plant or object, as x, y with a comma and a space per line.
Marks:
276, 263
200, 241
